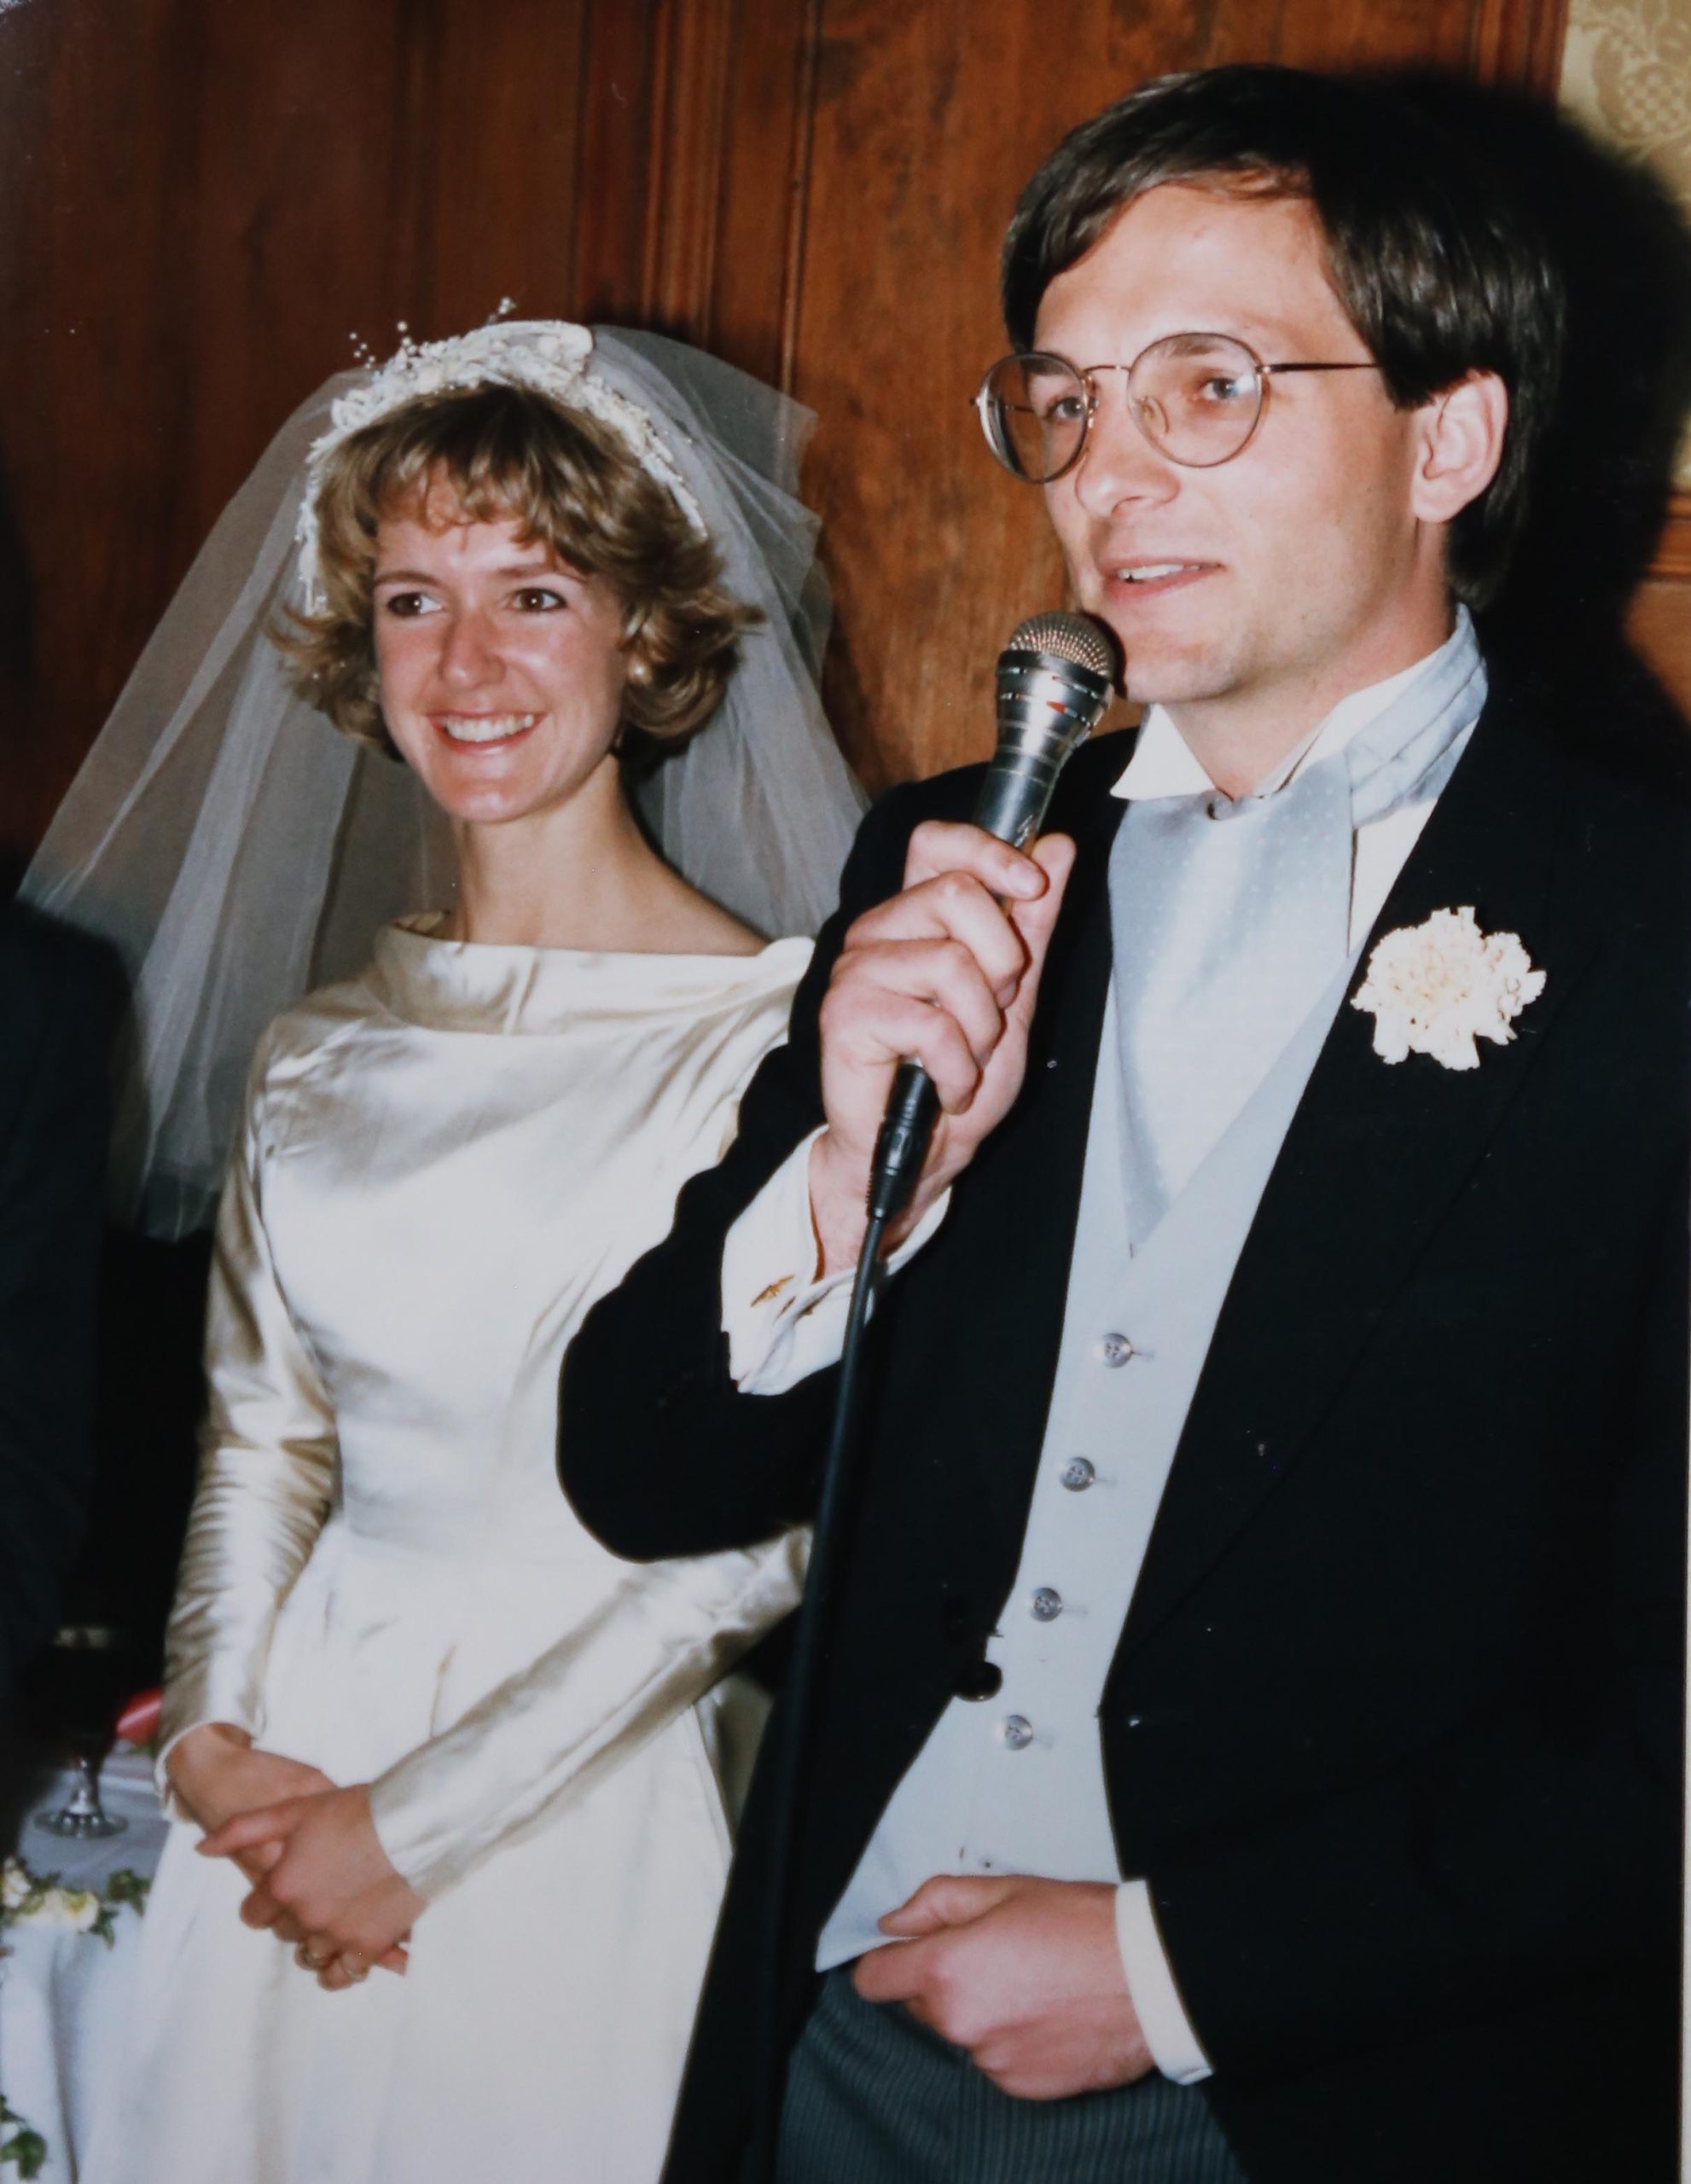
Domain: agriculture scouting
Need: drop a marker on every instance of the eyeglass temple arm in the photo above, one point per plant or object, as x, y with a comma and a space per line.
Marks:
1366, 364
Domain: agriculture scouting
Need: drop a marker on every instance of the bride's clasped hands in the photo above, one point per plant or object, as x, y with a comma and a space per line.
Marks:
321, 1879
324, 1883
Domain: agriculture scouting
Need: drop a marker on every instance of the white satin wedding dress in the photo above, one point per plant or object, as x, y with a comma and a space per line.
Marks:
446, 1162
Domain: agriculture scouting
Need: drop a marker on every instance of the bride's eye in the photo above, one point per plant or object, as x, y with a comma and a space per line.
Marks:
407, 604
537, 599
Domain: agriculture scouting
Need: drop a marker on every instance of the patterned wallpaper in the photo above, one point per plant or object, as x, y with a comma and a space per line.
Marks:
1626, 73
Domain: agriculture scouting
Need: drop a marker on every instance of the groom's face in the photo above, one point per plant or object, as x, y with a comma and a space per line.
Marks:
1298, 569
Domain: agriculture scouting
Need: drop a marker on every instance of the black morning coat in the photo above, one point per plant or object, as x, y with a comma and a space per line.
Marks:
57, 1008
1394, 1728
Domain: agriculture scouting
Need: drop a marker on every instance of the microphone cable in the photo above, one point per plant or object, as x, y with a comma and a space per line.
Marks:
830, 1535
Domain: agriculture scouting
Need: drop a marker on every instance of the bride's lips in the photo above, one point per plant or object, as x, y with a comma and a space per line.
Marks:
483, 731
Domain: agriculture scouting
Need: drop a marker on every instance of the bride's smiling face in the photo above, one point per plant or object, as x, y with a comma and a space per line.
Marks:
501, 669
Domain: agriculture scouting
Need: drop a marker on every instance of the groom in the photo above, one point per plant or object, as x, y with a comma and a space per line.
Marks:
1249, 1747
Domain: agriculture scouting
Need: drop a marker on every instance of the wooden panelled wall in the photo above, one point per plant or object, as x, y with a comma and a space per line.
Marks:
202, 201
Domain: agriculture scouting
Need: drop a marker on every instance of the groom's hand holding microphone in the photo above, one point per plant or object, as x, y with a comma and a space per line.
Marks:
924, 1029
946, 973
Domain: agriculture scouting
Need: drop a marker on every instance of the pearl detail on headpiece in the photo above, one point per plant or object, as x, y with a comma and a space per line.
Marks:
549, 355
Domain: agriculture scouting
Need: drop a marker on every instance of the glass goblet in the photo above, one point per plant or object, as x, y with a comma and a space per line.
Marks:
86, 1664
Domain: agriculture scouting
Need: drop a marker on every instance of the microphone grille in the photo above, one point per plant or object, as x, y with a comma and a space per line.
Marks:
1068, 637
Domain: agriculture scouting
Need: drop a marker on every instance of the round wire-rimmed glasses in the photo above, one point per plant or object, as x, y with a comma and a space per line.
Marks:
1197, 398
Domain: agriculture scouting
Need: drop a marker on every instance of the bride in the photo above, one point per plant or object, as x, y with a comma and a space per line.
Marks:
416, 1720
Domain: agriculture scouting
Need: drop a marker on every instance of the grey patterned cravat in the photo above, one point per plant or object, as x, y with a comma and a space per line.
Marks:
1230, 921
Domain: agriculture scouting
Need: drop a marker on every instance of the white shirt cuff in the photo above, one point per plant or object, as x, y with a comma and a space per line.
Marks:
783, 1324
1156, 2000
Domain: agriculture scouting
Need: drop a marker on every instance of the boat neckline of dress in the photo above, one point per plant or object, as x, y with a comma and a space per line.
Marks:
493, 986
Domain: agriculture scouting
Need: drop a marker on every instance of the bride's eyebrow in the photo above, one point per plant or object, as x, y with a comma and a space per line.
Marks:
527, 569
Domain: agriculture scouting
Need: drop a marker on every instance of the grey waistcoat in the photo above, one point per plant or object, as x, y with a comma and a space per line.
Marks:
1016, 1783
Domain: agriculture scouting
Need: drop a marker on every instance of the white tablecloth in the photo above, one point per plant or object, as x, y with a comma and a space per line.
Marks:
63, 1994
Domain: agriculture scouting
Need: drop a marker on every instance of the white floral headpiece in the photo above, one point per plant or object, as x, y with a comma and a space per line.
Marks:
548, 355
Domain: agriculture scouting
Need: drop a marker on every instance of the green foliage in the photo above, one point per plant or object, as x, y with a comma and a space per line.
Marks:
27, 2150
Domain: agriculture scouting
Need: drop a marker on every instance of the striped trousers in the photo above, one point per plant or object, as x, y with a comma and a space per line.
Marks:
875, 2098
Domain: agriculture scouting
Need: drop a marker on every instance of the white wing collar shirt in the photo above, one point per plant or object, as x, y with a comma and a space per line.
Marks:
1018, 1786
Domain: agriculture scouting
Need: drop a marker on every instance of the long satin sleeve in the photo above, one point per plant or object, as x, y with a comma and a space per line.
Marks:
267, 1473
666, 1634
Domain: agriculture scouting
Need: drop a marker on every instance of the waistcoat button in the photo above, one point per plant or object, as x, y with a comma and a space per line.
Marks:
1078, 1474
979, 1679
1017, 1731
1115, 1350
1048, 1604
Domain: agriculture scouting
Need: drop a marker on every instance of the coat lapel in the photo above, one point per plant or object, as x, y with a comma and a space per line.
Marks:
1375, 1154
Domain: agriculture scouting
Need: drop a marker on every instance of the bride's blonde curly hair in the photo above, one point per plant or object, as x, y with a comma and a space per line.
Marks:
507, 454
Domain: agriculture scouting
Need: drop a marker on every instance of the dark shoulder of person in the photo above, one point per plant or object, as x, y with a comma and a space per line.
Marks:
58, 998
1625, 749
50, 975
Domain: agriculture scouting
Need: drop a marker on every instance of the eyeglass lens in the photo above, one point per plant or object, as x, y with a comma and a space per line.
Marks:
1195, 396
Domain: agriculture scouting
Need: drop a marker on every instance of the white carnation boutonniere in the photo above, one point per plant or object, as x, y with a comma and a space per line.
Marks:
1435, 989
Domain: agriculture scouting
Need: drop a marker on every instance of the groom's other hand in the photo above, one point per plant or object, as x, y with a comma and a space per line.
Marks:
946, 973
1025, 1975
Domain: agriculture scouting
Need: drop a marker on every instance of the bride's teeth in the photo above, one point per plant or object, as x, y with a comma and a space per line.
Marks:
1153, 570
491, 727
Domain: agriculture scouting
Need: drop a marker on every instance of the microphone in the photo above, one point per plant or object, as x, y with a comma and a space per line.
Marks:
1056, 679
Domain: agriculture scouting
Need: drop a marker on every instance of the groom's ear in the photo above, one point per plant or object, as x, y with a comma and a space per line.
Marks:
1458, 445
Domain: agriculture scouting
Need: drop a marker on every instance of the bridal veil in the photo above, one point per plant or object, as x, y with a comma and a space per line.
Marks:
237, 851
